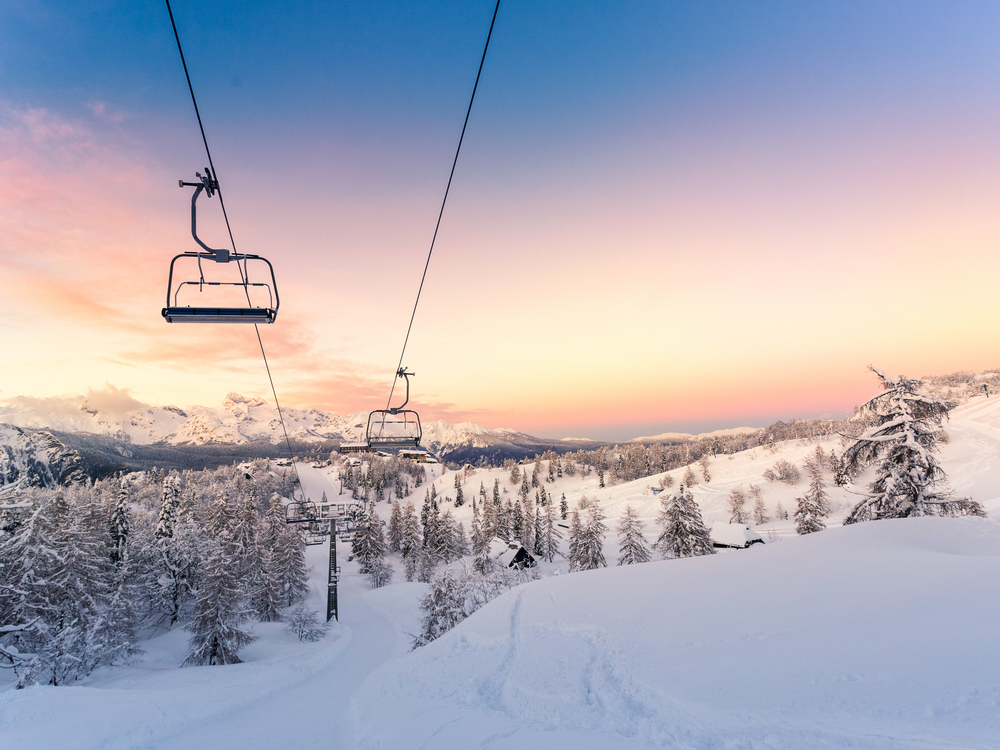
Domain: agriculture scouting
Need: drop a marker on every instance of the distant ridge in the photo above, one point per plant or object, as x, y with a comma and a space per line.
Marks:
687, 437
251, 422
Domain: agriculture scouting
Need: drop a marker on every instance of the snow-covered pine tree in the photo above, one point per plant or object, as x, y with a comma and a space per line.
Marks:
114, 637
539, 536
632, 546
706, 475
289, 561
222, 607
380, 573
563, 507
575, 530
817, 490
369, 542
840, 477
444, 606
808, 515
427, 563
759, 511
448, 545
515, 474
527, 537
411, 543
394, 537
689, 478
592, 539
121, 523
459, 495
219, 516
249, 555
780, 514
683, 532
480, 544
903, 427
551, 534
267, 599
169, 505
737, 502
517, 519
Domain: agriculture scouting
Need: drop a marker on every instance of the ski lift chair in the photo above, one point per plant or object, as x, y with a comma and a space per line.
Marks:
395, 427
174, 312
314, 537
301, 511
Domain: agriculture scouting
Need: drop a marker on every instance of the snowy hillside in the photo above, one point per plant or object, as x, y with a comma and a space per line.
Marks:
878, 635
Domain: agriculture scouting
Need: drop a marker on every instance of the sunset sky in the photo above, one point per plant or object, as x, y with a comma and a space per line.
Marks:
666, 216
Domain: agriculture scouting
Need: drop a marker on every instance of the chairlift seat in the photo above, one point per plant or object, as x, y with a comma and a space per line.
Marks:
403, 431
302, 511
219, 314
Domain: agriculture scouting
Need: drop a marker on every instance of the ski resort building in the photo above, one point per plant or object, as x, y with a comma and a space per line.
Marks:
511, 555
734, 535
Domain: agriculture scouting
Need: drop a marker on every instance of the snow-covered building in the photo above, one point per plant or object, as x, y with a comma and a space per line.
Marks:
734, 535
510, 555
353, 448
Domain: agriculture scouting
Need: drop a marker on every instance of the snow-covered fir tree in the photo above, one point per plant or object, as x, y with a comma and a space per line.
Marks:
444, 606
758, 511
683, 532
222, 607
902, 429
550, 535
587, 553
380, 573
450, 543
632, 547
289, 561
120, 525
737, 503
394, 535
411, 543
808, 516
368, 545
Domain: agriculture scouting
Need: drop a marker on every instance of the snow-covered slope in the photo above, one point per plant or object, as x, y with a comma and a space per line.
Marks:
879, 635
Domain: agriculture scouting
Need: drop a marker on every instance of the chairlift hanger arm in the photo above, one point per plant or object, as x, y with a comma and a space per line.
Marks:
210, 185
402, 373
